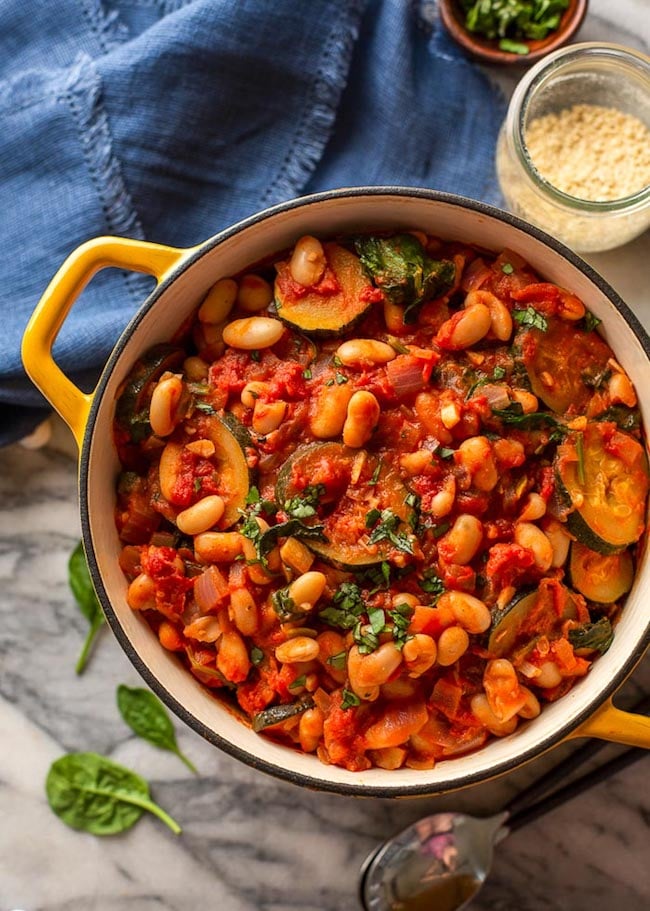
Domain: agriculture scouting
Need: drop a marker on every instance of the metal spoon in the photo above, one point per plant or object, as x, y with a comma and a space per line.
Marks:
440, 862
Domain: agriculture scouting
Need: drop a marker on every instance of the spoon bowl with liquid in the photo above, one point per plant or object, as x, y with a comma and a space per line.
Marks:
440, 862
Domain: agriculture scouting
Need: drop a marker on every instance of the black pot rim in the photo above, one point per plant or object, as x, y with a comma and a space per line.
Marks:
251, 759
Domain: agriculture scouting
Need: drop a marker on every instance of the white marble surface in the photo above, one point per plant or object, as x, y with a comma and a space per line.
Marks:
249, 842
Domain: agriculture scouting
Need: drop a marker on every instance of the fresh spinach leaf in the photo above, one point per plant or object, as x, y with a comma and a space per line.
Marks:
400, 267
147, 717
596, 636
84, 593
92, 793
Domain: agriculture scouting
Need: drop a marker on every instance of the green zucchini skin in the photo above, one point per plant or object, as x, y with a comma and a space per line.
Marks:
604, 492
231, 440
325, 314
276, 714
132, 407
389, 491
509, 622
601, 578
567, 356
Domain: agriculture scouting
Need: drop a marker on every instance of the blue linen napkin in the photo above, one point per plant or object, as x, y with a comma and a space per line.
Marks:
171, 119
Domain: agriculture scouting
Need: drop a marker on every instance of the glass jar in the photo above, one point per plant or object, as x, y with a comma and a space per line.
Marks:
606, 75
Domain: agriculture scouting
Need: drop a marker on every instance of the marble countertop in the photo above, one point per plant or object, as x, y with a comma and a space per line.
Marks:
250, 842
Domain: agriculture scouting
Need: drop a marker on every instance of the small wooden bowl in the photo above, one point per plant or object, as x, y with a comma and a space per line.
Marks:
488, 51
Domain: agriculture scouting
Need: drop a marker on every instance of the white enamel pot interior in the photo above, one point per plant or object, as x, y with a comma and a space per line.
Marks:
449, 217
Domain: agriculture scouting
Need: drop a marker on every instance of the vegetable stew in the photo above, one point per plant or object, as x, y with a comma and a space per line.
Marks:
383, 493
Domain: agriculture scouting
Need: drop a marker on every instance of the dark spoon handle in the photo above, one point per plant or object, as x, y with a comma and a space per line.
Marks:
571, 790
560, 772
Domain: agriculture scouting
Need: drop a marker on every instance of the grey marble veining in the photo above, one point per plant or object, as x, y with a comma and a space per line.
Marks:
250, 842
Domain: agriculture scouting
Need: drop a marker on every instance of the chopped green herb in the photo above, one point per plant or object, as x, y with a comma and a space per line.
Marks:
439, 530
198, 483
444, 452
431, 583
336, 360
365, 638
401, 616
349, 699
372, 517
412, 499
514, 414
257, 656
375, 475
341, 378
397, 346
284, 606
338, 661
346, 608
307, 373
591, 321
377, 619
531, 318
298, 682
255, 356
204, 407
498, 373
329, 382
508, 268
532, 19
386, 529
514, 47
303, 505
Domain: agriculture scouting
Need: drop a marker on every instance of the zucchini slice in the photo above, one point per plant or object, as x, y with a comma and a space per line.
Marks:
602, 474
344, 505
529, 614
330, 312
276, 714
132, 407
230, 440
602, 578
563, 364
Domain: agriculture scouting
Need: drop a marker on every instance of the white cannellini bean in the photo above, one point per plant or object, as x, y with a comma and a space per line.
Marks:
253, 333
527, 400
308, 588
469, 612
475, 454
534, 508
549, 676
254, 293
201, 515
164, 404
358, 352
267, 416
300, 648
453, 642
461, 543
219, 301
560, 541
308, 262
528, 535
500, 317
470, 327
252, 392
361, 419
327, 417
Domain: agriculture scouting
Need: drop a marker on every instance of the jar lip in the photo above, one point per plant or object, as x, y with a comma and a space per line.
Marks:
522, 95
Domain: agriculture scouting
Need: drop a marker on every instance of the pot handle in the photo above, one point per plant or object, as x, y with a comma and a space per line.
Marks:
610, 723
42, 329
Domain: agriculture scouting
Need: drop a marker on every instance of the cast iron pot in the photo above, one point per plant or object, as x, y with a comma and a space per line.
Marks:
183, 278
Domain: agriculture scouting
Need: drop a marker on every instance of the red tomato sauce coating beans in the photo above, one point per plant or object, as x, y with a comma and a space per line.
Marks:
384, 493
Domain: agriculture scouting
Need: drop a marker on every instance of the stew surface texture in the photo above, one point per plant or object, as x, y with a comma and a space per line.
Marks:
384, 493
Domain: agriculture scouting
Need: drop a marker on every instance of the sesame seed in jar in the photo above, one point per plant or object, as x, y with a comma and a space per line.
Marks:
591, 152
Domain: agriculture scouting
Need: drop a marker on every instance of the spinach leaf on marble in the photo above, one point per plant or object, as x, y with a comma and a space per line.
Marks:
148, 718
92, 793
82, 589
